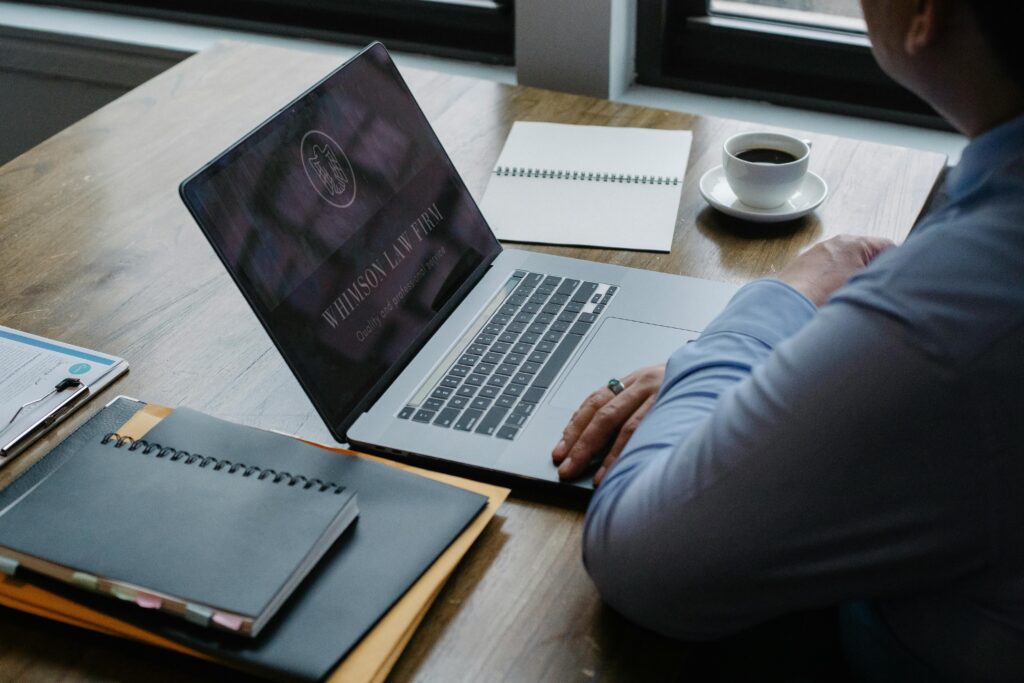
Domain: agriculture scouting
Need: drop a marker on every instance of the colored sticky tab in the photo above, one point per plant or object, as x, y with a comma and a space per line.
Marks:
228, 621
8, 565
147, 601
198, 614
83, 580
123, 593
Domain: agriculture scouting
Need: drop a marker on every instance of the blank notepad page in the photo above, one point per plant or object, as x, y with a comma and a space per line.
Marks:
588, 185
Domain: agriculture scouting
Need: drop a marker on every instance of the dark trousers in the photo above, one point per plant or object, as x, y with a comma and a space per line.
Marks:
845, 644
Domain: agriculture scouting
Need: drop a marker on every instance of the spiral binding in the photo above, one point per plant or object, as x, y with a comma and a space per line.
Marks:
262, 473
520, 172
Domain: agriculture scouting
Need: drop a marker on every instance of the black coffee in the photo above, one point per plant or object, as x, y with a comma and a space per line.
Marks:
764, 155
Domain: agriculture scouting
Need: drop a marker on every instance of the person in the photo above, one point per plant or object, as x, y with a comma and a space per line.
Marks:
850, 433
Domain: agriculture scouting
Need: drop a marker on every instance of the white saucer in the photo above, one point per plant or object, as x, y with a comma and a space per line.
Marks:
715, 189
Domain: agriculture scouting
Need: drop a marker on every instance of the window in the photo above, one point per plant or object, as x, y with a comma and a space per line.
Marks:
806, 53
474, 29
843, 15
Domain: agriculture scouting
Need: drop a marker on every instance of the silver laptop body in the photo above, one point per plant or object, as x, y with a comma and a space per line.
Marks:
649, 316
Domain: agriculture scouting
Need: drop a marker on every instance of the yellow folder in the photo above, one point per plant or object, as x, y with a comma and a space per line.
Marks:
375, 655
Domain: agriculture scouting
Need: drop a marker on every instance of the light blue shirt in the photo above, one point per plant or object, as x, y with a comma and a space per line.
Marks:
870, 450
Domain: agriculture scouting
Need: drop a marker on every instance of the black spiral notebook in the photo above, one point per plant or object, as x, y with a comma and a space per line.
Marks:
215, 541
405, 522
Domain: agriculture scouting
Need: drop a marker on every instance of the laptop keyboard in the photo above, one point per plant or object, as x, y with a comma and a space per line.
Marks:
493, 380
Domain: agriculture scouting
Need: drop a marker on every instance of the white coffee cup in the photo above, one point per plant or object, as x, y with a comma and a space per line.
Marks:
757, 181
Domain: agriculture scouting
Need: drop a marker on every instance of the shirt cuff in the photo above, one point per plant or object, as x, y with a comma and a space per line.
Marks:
768, 310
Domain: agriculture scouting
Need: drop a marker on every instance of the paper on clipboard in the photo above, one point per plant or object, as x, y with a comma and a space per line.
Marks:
41, 381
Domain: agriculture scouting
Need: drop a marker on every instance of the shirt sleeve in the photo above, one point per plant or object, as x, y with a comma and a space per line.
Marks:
792, 460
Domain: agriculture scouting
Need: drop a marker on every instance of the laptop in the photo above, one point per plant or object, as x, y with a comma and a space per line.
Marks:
413, 332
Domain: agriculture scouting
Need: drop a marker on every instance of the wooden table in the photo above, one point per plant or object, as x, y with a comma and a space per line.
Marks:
96, 249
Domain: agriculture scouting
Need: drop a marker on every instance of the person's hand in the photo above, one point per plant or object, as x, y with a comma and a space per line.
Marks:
827, 266
606, 418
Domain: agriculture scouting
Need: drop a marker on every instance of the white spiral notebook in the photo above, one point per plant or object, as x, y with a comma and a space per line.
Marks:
596, 186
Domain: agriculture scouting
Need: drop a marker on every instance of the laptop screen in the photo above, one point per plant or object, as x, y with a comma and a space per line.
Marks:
346, 226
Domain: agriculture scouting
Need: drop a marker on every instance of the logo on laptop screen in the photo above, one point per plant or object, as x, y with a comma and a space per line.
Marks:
328, 169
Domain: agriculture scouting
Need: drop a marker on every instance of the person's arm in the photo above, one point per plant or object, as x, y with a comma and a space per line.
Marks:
605, 422
771, 477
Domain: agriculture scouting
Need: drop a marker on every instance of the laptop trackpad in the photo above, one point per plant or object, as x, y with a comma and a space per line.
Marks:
619, 347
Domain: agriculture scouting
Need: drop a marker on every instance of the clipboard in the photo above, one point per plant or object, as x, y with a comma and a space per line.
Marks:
43, 381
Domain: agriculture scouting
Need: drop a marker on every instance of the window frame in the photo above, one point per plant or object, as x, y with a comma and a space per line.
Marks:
481, 30
681, 45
